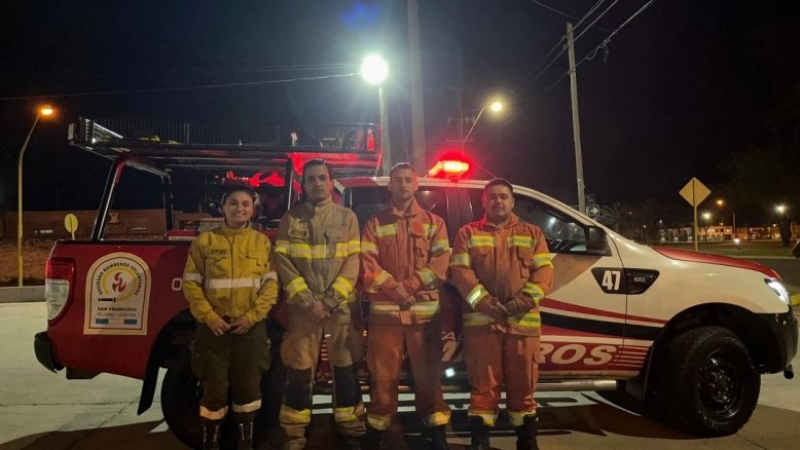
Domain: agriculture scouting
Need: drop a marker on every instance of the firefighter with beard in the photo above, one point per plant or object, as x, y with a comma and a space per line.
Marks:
405, 254
501, 266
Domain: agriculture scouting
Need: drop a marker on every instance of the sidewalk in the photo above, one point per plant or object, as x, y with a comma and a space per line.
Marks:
24, 294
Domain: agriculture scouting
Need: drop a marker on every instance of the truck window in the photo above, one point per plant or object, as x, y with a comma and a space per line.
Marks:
368, 201
563, 234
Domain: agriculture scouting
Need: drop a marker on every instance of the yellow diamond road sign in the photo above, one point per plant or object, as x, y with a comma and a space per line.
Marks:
695, 192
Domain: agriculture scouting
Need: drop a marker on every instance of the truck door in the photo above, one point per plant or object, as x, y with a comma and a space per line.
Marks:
583, 317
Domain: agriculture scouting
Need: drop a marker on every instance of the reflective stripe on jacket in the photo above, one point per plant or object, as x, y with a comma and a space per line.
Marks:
406, 251
501, 262
230, 273
316, 253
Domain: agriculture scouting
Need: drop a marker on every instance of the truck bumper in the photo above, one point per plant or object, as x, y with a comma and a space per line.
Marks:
44, 352
784, 328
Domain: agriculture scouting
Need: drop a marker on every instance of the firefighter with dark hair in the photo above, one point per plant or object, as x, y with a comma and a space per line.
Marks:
230, 284
405, 253
501, 266
317, 258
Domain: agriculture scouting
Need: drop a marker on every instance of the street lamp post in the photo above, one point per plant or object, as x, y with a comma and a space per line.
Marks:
706, 217
495, 106
721, 202
45, 111
375, 70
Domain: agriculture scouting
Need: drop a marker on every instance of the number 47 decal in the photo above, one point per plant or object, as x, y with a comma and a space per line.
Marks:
610, 279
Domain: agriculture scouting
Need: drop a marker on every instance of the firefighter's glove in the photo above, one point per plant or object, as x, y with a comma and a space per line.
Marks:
318, 311
492, 308
407, 302
519, 303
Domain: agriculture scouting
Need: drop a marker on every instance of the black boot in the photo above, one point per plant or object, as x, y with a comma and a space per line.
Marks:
351, 442
439, 438
479, 433
375, 439
244, 430
210, 434
526, 433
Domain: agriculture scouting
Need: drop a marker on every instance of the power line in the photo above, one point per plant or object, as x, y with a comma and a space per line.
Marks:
174, 89
569, 16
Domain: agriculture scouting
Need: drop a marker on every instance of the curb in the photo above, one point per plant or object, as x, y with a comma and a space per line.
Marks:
21, 294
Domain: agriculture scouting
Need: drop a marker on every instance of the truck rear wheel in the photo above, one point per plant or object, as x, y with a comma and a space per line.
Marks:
708, 383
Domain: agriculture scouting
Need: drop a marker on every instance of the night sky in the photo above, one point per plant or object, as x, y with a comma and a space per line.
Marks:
682, 87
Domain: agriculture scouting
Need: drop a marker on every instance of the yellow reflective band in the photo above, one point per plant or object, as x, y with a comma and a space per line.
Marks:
440, 246
233, 283
475, 319
534, 291
248, 407
542, 260
517, 419
520, 241
343, 286
213, 415
347, 413
386, 230
353, 247
428, 277
196, 277
380, 423
294, 417
296, 286
425, 309
475, 295
489, 417
430, 230
383, 308
373, 284
282, 246
529, 319
436, 419
369, 247
269, 276
460, 259
480, 241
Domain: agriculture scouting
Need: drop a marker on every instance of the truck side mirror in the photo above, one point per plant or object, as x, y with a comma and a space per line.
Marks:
597, 241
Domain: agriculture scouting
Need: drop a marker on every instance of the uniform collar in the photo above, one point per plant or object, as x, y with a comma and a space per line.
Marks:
484, 223
313, 207
413, 210
228, 231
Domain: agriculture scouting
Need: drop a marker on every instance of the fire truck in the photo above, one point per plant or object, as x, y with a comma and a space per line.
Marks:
689, 332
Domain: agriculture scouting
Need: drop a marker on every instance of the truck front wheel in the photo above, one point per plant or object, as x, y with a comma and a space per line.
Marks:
180, 400
709, 385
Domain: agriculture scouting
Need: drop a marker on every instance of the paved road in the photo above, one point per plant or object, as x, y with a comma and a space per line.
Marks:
789, 269
44, 411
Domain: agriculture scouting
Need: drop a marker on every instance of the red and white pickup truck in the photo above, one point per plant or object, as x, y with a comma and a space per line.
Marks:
690, 331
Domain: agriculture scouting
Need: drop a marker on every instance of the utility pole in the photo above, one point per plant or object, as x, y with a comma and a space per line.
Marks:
418, 152
576, 125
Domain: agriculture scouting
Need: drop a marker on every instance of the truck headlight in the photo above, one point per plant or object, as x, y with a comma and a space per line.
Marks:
779, 290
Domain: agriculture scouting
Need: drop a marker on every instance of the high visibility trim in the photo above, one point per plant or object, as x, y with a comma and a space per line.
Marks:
428, 277
476, 294
383, 308
380, 423
430, 230
269, 276
247, 407
386, 230
521, 241
369, 247
529, 319
489, 417
460, 259
517, 419
534, 291
343, 286
294, 417
480, 241
233, 283
345, 414
542, 259
196, 277
440, 246
296, 286
373, 285
437, 419
353, 247
282, 246
213, 415
475, 319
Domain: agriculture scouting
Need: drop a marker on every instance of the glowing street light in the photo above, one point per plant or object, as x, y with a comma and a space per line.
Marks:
781, 209
496, 106
46, 112
375, 70
721, 202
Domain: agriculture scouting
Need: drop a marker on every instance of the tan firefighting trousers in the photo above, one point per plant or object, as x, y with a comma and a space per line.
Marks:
495, 358
230, 360
300, 352
385, 345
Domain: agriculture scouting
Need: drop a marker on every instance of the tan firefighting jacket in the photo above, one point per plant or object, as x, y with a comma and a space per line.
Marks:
501, 262
230, 273
404, 253
316, 254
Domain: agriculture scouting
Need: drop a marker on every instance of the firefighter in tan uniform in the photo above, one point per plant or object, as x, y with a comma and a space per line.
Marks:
405, 254
317, 257
230, 284
502, 268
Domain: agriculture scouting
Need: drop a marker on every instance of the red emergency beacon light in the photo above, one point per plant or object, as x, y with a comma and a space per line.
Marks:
453, 169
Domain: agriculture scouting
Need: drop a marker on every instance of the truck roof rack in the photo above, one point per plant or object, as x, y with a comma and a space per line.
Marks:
352, 149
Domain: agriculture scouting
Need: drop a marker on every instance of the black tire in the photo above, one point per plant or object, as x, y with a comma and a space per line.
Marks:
708, 384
